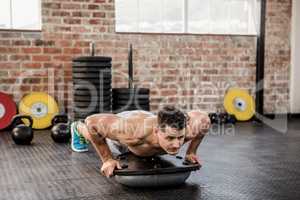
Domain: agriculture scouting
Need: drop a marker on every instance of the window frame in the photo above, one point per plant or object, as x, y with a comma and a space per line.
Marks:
11, 28
186, 25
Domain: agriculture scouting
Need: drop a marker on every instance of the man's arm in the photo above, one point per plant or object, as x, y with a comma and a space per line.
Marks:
99, 143
98, 129
198, 126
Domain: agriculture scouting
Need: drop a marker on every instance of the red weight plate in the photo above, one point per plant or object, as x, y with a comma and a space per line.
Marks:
8, 109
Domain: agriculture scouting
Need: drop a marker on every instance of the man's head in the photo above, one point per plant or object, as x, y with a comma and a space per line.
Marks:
171, 129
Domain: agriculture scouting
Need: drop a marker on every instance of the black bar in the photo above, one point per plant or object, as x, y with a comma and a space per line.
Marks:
130, 68
260, 62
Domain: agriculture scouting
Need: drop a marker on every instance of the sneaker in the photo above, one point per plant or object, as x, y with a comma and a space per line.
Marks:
78, 142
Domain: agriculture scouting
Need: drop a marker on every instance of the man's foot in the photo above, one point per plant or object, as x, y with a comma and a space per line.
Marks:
78, 142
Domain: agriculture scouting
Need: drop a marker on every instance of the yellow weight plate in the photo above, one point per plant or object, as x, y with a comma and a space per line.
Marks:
239, 103
41, 107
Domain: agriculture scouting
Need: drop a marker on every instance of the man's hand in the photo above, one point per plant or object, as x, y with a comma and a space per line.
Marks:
192, 158
109, 166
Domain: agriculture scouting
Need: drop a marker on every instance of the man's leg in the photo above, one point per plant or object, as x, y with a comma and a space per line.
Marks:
113, 145
78, 139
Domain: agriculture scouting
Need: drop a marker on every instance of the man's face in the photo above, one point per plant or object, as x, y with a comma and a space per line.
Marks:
170, 139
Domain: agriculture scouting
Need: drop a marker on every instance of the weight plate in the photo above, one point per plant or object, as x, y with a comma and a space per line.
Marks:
103, 74
239, 103
124, 102
97, 82
8, 110
85, 112
128, 109
88, 93
131, 107
100, 59
131, 91
92, 75
91, 104
95, 69
89, 98
128, 97
41, 107
90, 86
88, 109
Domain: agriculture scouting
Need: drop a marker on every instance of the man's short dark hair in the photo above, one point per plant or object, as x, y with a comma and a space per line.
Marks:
172, 117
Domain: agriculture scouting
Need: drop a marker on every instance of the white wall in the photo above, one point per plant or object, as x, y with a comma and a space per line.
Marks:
295, 67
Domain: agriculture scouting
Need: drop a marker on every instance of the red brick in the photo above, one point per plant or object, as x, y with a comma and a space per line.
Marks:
52, 5
7, 50
99, 14
93, 7
72, 21
72, 51
31, 50
32, 65
41, 58
19, 57
52, 50
168, 92
21, 42
62, 58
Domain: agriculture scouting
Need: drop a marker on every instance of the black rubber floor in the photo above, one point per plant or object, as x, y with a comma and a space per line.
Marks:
254, 163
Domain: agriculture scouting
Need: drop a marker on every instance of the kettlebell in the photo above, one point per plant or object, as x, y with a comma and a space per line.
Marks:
230, 119
213, 118
223, 118
60, 131
22, 134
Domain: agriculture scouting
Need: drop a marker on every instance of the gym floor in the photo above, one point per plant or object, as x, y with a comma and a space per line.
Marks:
256, 162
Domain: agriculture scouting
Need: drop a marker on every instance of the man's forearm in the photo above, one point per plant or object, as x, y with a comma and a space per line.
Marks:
192, 149
102, 148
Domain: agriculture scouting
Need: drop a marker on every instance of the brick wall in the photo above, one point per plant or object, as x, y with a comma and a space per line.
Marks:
191, 71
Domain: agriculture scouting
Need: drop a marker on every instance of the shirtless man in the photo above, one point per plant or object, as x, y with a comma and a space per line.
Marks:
142, 133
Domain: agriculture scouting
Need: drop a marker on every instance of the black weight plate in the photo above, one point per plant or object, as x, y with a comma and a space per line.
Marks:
95, 76
85, 115
88, 93
104, 96
91, 69
93, 81
104, 73
99, 59
92, 86
124, 102
127, 109
88, 103
100, 65
92, 75
84, 109
91, 106
89, 98
129, 91
127, 97
97, 92
131, 107
99, 98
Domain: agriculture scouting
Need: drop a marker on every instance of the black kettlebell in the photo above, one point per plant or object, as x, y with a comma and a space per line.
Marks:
213, 118
22, 134
231, 119
223, 118
60, 131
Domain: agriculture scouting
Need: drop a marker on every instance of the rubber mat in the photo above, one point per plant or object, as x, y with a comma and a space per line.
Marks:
254, 163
